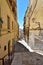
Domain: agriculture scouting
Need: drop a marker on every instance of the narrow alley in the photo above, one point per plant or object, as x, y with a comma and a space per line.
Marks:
21, 32
22, 56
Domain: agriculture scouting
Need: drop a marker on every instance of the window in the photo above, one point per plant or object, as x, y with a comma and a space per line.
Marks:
4, 48
10, 2
8, 22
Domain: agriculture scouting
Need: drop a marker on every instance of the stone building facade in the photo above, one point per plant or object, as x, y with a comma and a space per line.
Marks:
35, 20
26, 26
9, 30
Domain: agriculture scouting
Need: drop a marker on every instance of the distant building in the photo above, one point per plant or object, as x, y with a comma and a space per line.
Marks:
9, 30
21, 34
26, 25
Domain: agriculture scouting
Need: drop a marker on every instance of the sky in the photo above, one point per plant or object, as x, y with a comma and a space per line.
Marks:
21, 8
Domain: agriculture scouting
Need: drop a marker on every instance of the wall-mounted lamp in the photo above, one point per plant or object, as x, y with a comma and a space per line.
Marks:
33, 19
38, 24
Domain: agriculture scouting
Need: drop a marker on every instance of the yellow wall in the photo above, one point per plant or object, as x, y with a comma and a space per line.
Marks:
5, 35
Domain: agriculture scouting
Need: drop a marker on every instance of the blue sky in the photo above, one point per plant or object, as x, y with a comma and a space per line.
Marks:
21, 8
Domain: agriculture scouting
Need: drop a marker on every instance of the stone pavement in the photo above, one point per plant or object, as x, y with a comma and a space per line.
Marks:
25, 57
38, 51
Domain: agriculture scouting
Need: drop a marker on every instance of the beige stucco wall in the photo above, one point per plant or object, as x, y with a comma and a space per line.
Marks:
34, 10
38, 15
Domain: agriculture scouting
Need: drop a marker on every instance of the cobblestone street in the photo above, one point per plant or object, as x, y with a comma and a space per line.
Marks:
23, 57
